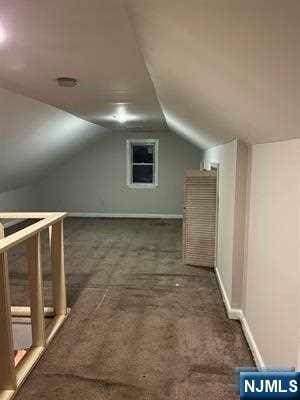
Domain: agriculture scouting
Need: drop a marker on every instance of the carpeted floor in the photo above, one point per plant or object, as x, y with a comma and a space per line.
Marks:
142, 326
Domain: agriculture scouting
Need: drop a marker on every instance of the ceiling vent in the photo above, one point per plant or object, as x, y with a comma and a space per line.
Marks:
67, 82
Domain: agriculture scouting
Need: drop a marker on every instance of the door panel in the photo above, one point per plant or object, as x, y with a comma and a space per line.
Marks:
199, 228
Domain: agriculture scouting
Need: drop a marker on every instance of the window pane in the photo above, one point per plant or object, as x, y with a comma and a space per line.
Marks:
142, 153
142, 174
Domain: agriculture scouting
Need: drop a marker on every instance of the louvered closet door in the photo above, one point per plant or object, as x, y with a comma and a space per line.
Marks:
199, 228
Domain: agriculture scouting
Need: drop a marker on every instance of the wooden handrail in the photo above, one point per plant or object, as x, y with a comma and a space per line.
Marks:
25, 215
18, 237
12, 377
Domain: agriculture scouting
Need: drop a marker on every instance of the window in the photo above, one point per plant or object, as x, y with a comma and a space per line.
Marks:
142, 163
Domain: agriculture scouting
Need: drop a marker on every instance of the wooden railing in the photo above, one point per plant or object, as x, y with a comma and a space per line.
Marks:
12, 377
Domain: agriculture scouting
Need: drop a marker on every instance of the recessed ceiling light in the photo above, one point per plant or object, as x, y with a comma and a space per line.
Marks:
67, 82
121, 116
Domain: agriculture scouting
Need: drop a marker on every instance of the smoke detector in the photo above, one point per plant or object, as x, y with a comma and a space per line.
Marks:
67, 82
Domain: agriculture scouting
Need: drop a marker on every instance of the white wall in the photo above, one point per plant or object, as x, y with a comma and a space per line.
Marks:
272, 286
226, 156
35, 136
95, 180
259, 261
232, 158
240, 219
22, 199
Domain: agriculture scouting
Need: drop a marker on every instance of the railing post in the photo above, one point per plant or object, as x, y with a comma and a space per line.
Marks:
58, 269
7, 363
1, 231
33, 246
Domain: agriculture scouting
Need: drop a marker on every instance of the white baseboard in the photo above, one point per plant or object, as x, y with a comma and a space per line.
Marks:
233, 313
236, 313
252, 344
112, 215
12, 222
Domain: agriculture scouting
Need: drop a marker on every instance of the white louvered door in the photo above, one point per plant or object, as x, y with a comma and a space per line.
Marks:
199, 224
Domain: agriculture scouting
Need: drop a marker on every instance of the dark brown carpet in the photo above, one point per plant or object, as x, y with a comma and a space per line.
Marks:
142, 326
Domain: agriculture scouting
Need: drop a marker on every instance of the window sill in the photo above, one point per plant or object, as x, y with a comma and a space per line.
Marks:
142, 186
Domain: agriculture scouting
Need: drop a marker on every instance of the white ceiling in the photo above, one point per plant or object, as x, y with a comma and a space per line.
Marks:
224, 69
92, 41
209, 70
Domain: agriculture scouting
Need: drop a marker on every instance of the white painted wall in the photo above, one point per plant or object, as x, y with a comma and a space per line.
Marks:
94, 181
272, 286
22, 199
35, 136
226, 156
232, 158
240, 220
259, 263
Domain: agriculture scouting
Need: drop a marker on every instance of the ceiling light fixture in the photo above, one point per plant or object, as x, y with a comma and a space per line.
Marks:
67, 82
121, 116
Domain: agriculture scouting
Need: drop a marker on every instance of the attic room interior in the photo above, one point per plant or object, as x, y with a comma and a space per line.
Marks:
149, 197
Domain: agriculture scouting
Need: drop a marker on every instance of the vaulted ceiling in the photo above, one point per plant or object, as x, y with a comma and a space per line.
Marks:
92, 41
209, 70
224, 69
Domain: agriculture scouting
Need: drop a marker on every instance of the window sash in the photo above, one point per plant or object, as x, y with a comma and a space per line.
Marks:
143, 163
132, 145
152, 145
130, 164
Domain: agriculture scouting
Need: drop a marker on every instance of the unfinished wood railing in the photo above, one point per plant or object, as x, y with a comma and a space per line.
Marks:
12, 377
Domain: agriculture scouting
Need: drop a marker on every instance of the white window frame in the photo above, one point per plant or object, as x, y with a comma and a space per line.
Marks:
129, 163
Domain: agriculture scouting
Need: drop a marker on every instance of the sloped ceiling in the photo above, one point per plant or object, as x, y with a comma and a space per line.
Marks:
35, 136
223, 69
209, 70
92, 41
